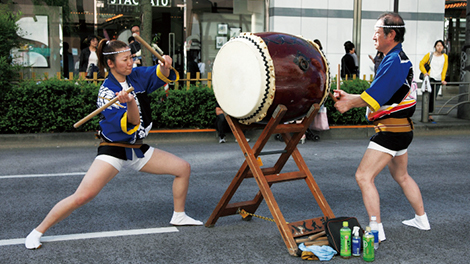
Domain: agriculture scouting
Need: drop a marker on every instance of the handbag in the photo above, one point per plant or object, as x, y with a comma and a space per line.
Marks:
332, 229
93, 68
427, 66
320, 122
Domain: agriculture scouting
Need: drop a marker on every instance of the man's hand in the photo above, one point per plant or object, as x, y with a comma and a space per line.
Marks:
347, 101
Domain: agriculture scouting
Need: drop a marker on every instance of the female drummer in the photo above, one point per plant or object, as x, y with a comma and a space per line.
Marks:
123, 126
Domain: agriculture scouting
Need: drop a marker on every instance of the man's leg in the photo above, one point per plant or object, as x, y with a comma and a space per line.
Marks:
398, 169
371, 165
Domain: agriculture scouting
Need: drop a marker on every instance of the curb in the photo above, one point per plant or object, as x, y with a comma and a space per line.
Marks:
87, 139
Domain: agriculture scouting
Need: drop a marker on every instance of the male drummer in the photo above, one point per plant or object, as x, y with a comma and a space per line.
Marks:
390, 105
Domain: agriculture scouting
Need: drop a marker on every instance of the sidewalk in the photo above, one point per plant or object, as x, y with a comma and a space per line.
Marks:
442, 125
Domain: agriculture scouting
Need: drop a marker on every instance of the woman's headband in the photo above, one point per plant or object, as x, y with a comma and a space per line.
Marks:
116, 52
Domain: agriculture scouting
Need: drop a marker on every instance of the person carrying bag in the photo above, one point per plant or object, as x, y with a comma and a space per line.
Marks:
437, 63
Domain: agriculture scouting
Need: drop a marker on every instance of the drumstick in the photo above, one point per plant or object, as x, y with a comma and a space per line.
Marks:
337, 84
146, 45
313, 237
337, 79
99, 110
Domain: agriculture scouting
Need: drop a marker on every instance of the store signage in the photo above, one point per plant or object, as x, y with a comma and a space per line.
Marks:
158, 3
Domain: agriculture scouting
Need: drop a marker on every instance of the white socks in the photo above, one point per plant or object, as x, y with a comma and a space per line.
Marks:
420, 222
32, 240
181, 219
381, 233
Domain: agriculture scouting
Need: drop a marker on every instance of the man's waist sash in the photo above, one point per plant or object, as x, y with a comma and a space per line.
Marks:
395, 125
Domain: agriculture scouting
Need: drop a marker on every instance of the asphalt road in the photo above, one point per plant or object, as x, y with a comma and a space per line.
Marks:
32, 180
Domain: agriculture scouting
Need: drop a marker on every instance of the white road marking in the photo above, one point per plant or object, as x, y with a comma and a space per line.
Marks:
42, 175
18, 241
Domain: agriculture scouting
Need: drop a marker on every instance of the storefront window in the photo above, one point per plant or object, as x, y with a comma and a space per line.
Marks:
187, 30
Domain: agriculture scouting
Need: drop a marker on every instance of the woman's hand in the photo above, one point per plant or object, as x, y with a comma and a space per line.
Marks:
124, 97
165, 65
133, 115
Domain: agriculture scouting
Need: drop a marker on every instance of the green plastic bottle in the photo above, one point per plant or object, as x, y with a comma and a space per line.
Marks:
368, 245
345, 241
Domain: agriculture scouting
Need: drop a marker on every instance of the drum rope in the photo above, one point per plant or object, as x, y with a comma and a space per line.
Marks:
245, 214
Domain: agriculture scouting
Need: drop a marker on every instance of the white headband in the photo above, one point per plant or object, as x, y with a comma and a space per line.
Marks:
116, 52
392, 26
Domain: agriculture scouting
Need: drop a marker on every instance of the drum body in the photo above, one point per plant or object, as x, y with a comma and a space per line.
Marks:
254, 73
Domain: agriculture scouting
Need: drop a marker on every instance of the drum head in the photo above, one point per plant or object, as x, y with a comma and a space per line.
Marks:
244, 79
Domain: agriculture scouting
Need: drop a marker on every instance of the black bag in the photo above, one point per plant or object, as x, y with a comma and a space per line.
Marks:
427, 66
93, 68
332, 227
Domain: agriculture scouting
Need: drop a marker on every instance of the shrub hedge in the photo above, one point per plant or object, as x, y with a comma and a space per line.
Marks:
355, 116
54, 105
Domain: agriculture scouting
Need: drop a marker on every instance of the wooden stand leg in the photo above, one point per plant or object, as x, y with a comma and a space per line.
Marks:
268, 176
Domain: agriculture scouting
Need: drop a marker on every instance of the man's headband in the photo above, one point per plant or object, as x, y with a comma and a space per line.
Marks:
392, 26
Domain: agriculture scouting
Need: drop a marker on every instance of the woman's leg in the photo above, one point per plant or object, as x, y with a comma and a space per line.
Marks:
163, 162
98, 175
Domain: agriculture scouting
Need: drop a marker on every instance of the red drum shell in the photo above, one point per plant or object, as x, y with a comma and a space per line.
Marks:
299, 71
296, 89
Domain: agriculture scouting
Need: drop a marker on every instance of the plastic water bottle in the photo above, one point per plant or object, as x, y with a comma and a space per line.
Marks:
345, 241
356, 242
375, 230
368, 253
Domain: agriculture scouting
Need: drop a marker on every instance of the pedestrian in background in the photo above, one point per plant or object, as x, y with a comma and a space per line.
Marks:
88, 57
438, 62
349, 65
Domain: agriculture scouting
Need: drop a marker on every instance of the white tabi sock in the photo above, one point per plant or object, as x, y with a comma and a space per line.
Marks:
181, 219
381, 232
32, 240
420, 222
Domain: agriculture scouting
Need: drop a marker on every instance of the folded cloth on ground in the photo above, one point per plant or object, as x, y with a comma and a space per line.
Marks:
324, 253
308, 255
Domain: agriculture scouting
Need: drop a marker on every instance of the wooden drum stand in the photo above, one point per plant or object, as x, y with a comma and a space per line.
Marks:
268, 176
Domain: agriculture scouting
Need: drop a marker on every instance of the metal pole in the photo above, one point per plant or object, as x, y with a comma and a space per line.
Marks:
425, 107
463, 111
266, 15
357, 21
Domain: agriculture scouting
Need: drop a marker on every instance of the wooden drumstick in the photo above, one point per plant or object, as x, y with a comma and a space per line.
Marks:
147, 46
337, 79
99, 110
317, 235
337, 84
317, 243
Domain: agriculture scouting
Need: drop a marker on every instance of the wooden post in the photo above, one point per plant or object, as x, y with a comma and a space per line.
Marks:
209, 79
188, 77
